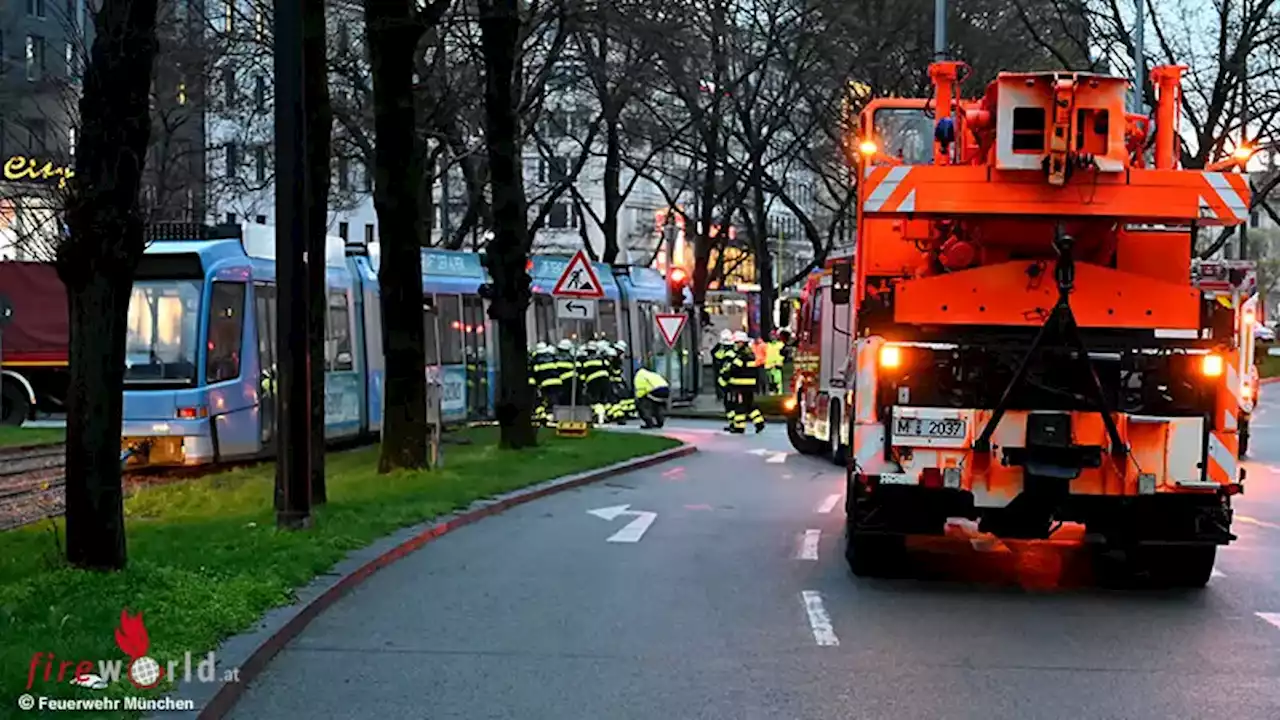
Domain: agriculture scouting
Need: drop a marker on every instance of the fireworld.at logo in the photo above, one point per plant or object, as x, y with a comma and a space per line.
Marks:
143, 671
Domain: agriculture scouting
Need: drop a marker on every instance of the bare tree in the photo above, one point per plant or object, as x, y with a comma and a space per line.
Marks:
395, 29
96, 261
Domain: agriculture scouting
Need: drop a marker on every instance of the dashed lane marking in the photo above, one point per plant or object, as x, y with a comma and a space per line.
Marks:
819, 621
1273, 618
1256, 521
809, 545
828, 504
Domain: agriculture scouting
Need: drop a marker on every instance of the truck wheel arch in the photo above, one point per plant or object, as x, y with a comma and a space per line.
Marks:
21, 382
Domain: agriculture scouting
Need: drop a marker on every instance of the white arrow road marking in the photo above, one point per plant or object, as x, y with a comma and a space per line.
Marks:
1273, 618
777, 458
809, 545
759, 451
633, 530
829, 504
1256, 521
1216, 573
819, 621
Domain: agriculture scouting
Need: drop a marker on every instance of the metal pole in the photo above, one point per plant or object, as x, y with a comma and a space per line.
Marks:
293, 468
1139, 58
939, 29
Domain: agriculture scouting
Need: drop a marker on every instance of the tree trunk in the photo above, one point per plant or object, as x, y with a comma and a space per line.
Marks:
393, 36
508, 251
319, 139
97, 263
612, 186
760, 236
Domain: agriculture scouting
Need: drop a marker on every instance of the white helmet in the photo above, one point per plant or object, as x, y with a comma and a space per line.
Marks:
741, 337
565, 344
541, 347
726, 336
610, 352
621, 346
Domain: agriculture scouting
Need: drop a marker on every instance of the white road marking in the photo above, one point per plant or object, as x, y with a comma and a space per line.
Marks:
1273, 618
1217, 574
634, 529
777, 458
1256, 521
809, 545
759, 451
819, 621
829, 504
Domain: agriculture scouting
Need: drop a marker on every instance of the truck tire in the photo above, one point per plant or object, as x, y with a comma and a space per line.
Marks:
15, 406
1185, 566
803, 444
870, 554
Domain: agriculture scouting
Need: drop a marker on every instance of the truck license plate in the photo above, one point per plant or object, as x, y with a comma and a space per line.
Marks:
929, 428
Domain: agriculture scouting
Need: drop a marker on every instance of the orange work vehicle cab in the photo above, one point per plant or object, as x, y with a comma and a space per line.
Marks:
1028, 347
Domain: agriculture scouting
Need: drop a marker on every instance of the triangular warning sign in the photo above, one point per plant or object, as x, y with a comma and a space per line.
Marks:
670, 325
578, 279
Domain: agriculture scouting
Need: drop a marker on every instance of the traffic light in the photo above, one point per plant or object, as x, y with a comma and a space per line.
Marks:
677, 280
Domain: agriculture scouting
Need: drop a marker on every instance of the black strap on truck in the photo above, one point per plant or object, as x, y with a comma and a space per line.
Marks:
1062, 322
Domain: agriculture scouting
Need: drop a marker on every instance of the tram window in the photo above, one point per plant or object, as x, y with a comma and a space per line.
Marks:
544, 319
266, 306
226, 326
451, 329
607, 321
338, 346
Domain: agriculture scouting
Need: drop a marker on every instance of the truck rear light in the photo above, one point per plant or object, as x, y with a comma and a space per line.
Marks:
931, 478
192, 413
890, 357
1212, 366
789, 403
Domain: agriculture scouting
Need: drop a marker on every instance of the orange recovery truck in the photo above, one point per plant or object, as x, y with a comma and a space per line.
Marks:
1026, 345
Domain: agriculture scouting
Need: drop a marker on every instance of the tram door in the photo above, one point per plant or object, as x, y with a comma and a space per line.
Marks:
475, 352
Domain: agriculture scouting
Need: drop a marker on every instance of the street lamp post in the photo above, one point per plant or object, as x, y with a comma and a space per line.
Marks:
293, 467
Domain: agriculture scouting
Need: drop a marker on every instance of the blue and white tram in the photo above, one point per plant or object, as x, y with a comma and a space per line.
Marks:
201, 352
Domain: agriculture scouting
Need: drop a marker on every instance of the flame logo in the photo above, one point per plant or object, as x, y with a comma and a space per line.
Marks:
131, 636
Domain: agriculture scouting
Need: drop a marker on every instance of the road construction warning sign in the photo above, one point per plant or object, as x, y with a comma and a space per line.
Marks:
579, 280
670, 325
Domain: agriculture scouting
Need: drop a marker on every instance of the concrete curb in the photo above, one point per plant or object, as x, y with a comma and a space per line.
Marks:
253, 651
1269, 380
712, 415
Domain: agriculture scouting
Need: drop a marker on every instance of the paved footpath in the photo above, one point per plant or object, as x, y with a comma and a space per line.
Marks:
735, 602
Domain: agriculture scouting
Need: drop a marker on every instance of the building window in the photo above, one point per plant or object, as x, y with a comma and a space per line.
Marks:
343, 230
259, 26
36, 8
35, 57
368, 234
233, 159
228, 16
71, 141
1255, 220
260, 162
71, 59
367, 183
182, 93
344, 39
231, 218
344, 172
260, 92
559, 170
260, 219
229, 84
559, 216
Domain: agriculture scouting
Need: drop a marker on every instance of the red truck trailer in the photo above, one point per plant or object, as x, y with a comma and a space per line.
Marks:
33, 344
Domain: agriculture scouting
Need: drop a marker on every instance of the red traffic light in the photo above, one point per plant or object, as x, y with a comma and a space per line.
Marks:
678, 276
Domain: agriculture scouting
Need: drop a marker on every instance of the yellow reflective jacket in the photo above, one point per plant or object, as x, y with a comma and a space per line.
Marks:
647, 381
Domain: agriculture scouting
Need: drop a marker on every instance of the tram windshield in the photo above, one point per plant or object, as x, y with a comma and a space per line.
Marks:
163, 332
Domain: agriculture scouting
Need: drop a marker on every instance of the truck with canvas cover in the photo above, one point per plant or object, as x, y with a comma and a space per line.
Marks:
1028, 346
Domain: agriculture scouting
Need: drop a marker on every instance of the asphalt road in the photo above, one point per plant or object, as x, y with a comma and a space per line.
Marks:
736, 603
